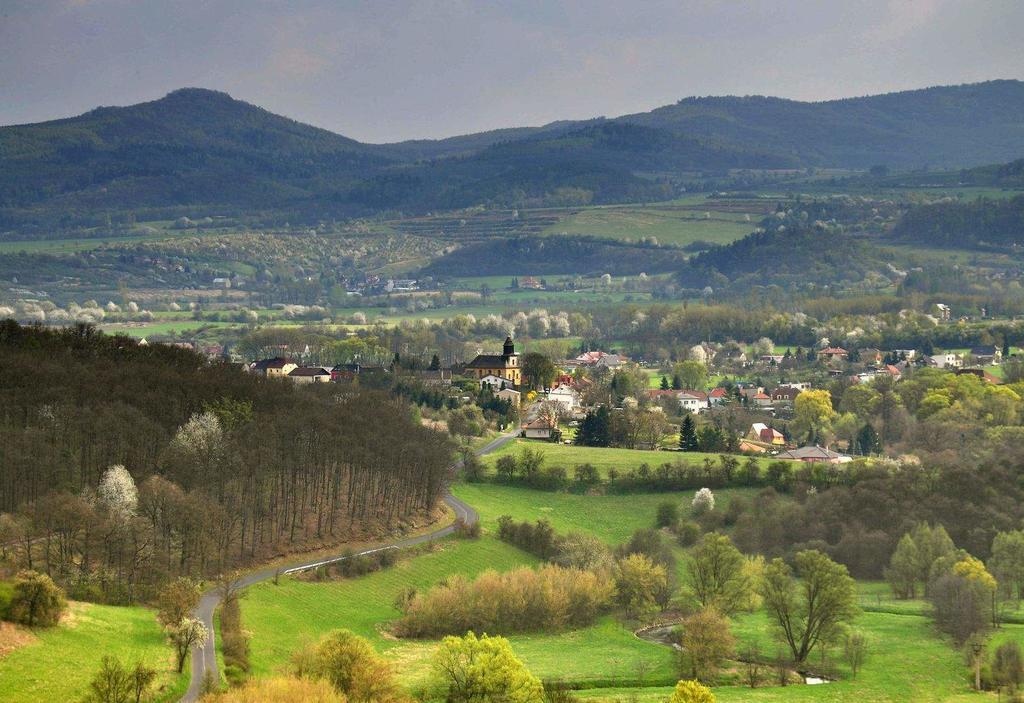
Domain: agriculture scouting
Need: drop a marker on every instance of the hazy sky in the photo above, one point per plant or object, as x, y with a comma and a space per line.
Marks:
382, 70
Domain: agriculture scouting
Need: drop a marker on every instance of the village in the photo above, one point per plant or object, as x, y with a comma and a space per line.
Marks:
727, 398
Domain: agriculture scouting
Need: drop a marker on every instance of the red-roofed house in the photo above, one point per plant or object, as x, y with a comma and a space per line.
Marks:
830, 353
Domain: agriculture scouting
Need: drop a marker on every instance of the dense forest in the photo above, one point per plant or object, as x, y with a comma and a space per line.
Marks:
203, 150
979, 224
786, 257
222, 467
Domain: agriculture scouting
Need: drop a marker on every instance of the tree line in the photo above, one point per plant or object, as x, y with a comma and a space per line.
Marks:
122, 465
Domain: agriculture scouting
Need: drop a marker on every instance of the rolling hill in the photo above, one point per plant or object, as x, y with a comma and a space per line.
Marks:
209, 153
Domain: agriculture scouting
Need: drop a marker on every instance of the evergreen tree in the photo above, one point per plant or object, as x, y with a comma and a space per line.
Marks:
435, 363
664, 383
688, 434
602, 427
677, 383
867, 440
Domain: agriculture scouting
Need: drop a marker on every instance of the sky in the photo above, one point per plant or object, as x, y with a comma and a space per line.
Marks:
382, 71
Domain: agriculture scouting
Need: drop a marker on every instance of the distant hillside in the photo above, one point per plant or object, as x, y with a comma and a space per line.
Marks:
978, 224
555, 255
787, 257
205, 153
945, 127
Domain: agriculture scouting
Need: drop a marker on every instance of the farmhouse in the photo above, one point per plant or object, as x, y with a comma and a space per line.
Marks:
990, 354
310, 374
833, 353
945, 361
815, 454
763, 433
504, 365
785, 395
278, 367
541, 428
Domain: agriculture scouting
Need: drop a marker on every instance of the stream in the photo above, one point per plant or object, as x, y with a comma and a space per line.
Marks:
662, 634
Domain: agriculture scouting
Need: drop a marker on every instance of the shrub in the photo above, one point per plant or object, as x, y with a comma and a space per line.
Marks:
585, 474
550, 598
469, 669
667, 515
538, 538
703, 501
579, 550
687, 533
638, 582
282, 690
234, 642
37, 601
691, 692
467, 530
351, 665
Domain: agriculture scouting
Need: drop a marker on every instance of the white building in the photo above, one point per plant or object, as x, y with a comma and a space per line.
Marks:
496, 382
565, 395
693, 401
945, 361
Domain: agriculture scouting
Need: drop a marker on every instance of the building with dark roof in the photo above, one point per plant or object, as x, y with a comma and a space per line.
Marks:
504, 365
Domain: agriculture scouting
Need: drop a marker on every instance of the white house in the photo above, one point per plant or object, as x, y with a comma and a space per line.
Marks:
496, 382
567, 396
538, 429
693, 401
310, 374
945, 361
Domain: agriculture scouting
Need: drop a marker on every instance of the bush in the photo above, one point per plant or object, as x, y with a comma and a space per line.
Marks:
687, 533
524, 600
703, 502
667, 515
586, 474
538, 538
282, 690
36, 601
351, 665
467, 530
234, 642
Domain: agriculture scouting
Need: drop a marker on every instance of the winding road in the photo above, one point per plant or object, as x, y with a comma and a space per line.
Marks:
205, 659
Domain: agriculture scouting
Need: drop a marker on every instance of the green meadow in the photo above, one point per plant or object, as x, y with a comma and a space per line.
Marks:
56, 664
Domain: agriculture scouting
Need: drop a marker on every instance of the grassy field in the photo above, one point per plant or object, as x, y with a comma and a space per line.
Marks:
669, 225
603, 458
613, 518
58, 663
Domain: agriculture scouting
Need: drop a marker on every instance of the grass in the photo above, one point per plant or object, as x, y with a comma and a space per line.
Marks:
603, 458
60, 662
612, 518
669, 225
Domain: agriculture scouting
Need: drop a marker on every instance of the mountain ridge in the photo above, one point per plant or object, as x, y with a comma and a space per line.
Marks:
199, 148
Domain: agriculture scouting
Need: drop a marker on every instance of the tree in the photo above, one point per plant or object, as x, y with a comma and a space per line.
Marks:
902, 573
435, 362
691, 692
480, 670
113, 683
1008, 665
677, 382
692, 374
718, 576
506, 467
186, 635
667, 514
351, 665
703, 501
176, 601
664, 383
1007, 562
706, 641
688, 434
36, 601
855, 649
638, 581
868, 441
809, 611
812, 412
538, 370
118, 493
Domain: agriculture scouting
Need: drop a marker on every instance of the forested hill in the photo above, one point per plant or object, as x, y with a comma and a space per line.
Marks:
230, 467
205, 153
793, 256
978, 224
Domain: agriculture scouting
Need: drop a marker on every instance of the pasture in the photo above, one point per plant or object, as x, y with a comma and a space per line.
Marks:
57, 664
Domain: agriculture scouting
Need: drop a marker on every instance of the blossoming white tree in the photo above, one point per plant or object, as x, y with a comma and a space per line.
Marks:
118, 493
703, 501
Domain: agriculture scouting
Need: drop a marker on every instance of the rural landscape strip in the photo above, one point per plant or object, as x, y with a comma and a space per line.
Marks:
204, 659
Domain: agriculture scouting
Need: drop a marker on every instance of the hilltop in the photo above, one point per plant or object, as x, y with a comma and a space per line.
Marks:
203, 150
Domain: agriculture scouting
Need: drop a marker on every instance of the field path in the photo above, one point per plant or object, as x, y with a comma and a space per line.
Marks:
205, 659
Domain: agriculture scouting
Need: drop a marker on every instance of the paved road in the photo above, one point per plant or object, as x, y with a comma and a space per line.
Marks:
205, 659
